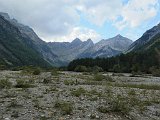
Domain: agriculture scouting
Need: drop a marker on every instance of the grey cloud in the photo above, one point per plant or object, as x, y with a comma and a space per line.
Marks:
50, 17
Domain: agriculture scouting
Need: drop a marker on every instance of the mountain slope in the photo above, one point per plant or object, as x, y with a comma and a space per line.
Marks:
107, 48
15, 49
145, 39
28, 33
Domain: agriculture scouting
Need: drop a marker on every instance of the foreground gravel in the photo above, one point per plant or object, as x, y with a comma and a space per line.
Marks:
53, 97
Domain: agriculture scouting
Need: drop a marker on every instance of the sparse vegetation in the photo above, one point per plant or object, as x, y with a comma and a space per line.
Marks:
22, 84
69, 82
65, 107
78, 92
98, 77
80, 69
94, 97
46, 80
5, 83
36, 71
103, 109
140, 86
54, 72
119, 104
155, 71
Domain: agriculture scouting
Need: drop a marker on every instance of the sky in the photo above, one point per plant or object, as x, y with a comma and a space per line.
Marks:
65, 20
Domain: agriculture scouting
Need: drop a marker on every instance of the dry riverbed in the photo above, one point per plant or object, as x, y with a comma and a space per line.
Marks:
78, 96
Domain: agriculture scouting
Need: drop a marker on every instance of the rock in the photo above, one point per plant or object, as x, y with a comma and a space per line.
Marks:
7, 119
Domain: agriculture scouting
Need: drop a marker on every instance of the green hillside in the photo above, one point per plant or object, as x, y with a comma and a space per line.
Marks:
15, 50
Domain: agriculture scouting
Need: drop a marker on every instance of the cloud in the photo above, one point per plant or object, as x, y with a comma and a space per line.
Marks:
77, 32
50, 17
61, 18
100, 11
135, 12
132, 12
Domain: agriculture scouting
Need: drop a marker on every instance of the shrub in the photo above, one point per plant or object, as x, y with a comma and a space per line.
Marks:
109, 78
132, 92
69, 82
103, 109
2, 67
119, 104
80, 69
5, 84
78, 92
65, 107
22, 84
36, 71
46, 80
97, 69
116, 68
98, 77
156, 73
54, 72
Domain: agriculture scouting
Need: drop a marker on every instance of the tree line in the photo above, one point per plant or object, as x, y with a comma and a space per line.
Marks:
131, 62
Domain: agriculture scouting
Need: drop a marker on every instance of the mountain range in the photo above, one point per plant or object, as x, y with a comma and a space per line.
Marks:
142, 56
20, 45
52, 53
107, 48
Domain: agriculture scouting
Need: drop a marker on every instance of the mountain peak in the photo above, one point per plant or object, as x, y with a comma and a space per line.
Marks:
77, 40
118, 36
89, 40
5, 15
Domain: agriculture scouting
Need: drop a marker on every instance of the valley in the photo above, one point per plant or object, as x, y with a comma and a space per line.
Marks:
82, 78
63, 95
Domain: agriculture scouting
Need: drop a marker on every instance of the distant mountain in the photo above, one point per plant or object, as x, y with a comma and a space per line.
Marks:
147, 39
107, 48
142, 56
15, 48
67, 52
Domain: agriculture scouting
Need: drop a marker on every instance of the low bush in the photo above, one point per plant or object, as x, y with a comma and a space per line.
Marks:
78, 92
22, 84
80, 69
30, 70
109, 79
155, 71
140, 86
54, 72
96, 69
98, 77
36, 71
103, 109
65, 107
46, 80
69, 82
5, 84
2, 67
